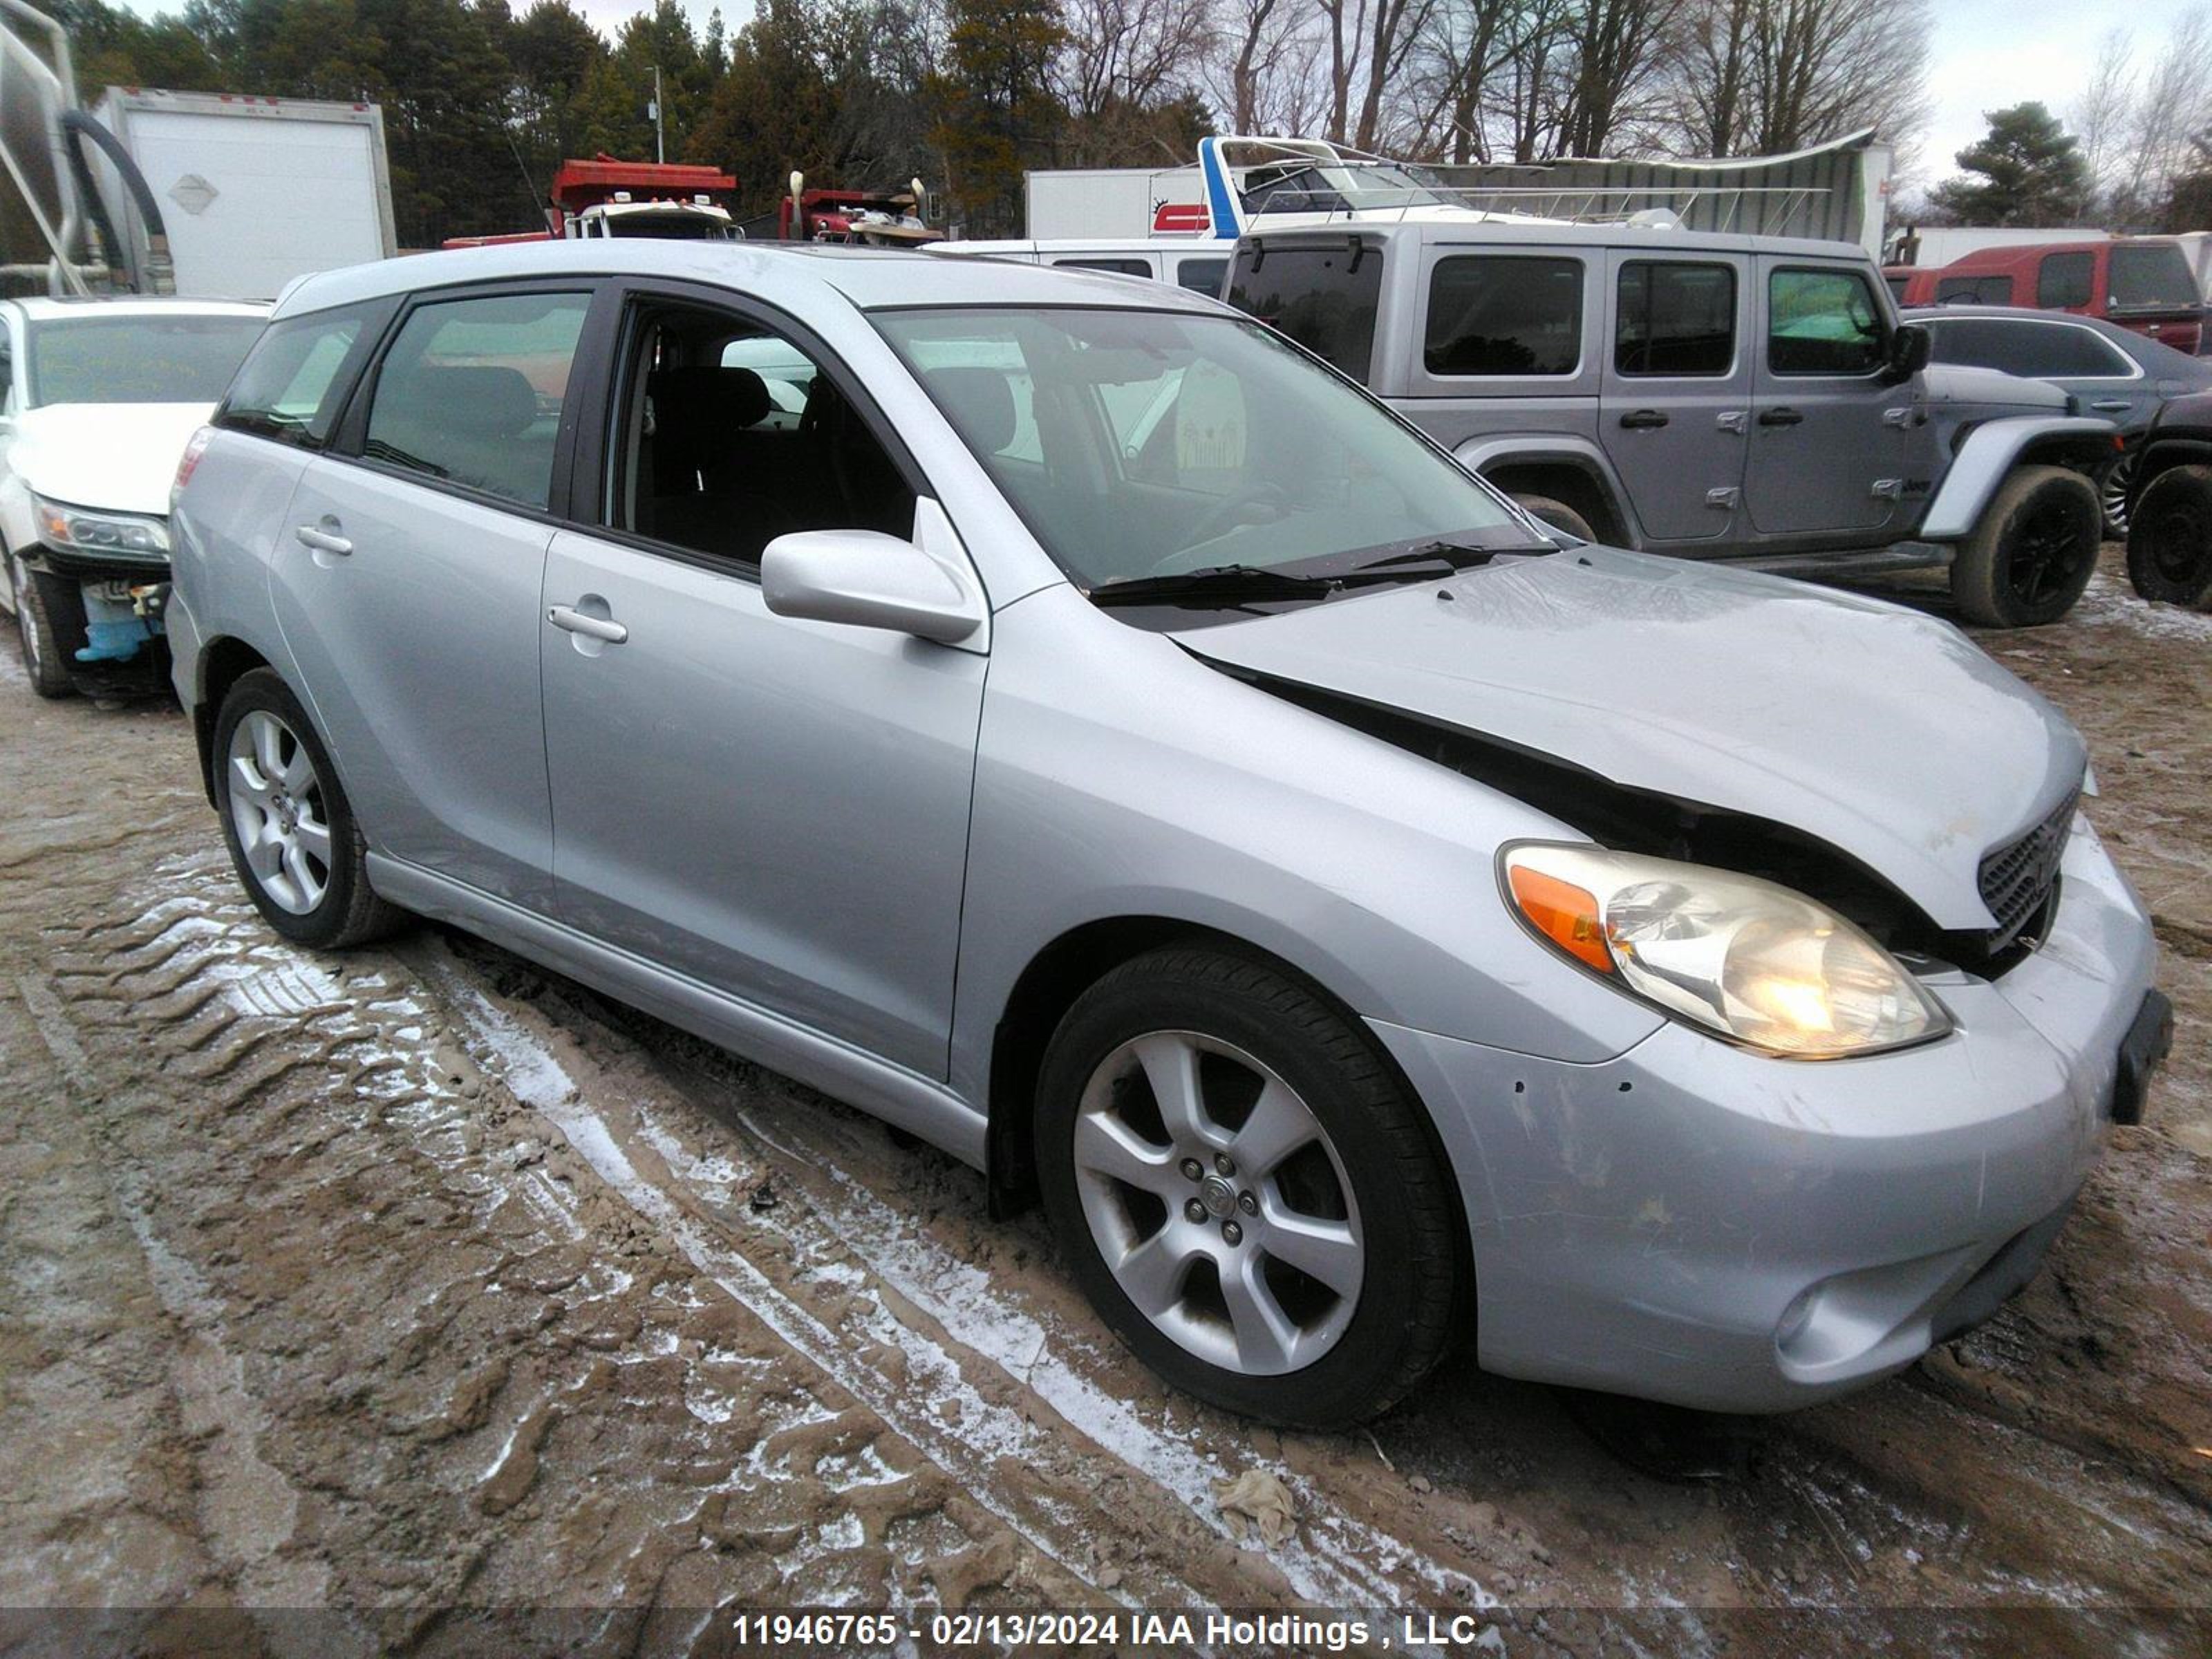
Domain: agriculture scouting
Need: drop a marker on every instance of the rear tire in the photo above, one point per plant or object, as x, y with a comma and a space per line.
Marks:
1306, 1146
292, 836
1558, 515
2032, 553
2170, 538
43, 659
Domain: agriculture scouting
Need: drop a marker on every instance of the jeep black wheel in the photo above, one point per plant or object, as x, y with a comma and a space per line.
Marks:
2032, 553
2170, 538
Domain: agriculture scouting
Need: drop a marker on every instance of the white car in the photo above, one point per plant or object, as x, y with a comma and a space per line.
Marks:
97, 398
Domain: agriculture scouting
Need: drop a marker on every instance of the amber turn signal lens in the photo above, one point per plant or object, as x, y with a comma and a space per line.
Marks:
1563, 913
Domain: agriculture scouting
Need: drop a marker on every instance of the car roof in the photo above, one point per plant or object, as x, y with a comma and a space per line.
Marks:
870, 278
1498, 231
36, 308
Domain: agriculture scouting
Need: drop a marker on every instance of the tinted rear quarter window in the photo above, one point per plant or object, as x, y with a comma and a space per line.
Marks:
1675, 319
1324, 298
293, 380
1119, 267
1499, 314
1974, 291
1202, 276
2063, 280
2152, 274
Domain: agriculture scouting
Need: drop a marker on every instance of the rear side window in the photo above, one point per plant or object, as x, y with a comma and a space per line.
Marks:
2038, 350
1202, 276
1822, 322
469, 392
2152, 274
1974, 291
1324, 298
1675, 320
2065, 280
291, 385
1119, 267
1490, 314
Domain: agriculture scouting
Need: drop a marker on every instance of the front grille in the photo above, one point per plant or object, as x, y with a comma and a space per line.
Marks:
2015, 879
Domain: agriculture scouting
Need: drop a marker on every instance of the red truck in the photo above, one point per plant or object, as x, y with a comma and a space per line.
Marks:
602, 197
2140, 282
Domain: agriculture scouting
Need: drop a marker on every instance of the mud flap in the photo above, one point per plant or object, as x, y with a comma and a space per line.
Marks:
2148, 1042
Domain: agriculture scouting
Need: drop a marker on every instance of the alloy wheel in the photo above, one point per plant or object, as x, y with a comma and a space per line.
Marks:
2112, 495
2048, 556
277, 809
1218, 1202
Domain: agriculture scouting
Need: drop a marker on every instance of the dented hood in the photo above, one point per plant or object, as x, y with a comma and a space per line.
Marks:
1886, 733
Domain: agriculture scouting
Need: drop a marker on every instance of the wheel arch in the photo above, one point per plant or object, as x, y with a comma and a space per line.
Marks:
223, 661
1079, 958
1573, 474
2163, 455
1990, 452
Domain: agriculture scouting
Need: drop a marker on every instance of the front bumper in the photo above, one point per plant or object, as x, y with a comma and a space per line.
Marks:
1694, 1222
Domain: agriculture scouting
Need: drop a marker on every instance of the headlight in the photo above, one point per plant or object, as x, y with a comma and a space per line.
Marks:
111, 535
1755, 963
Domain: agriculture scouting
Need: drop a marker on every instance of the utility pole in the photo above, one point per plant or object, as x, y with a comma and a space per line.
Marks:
660, 132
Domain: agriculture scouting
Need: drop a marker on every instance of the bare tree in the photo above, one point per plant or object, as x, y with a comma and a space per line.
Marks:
2173, 108
1123, 53
2101, 117
1768, 76
1264, 72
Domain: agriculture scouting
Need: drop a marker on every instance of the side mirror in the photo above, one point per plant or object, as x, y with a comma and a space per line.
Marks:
1908, 349
868, 579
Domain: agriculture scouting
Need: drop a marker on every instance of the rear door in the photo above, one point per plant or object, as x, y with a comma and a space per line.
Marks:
1674, 414
409, 572
1829, 430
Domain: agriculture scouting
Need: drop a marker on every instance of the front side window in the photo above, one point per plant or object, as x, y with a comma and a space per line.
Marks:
469, 392
1823, 322
732, 434
147, 358
2064, 281
1675, 319
1498, 314
290, 384
2038, 350
1323, 297
2151, 277
1171, 444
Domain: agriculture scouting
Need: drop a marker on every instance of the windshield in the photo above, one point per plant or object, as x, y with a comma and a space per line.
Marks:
2152, 274
138, 359
1318, 187
1148, 443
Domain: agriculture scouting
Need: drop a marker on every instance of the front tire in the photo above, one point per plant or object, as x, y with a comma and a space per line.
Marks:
2170, 538
1248, 1196
292, 836
44, 659
2032, 553
1547, 509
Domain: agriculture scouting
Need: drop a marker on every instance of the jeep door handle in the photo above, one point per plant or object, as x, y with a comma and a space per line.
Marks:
591, 628
1779, 417
1643, 419
2111, 405
321, 540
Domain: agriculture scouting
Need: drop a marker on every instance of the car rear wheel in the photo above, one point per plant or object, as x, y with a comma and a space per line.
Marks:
1558, 515
2170, 538
291, 834
1248, 1196
2032, 553
43, 659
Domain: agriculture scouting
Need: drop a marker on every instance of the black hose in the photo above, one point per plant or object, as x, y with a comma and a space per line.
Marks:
89, 188
79, 126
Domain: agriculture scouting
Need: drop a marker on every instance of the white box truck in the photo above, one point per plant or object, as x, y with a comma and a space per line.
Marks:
253, 191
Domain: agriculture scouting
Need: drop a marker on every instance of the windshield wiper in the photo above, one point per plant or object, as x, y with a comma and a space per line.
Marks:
1217, 584
1453, 555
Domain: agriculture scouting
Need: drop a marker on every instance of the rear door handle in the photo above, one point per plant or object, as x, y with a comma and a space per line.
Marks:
1779, 417
321, 540
591, 628
2111, 405
1642, 420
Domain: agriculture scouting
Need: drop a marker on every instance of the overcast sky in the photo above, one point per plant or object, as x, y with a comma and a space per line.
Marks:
1987, 54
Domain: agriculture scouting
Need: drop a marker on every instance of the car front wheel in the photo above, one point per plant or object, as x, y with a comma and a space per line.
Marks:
2170, 538
2032, 553
1248, 1196
43, 659
291, 834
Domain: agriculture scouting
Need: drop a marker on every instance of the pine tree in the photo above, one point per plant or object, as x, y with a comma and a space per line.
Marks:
2028, 170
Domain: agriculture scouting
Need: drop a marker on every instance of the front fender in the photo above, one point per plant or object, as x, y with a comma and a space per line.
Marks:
1481, 455
1991, 451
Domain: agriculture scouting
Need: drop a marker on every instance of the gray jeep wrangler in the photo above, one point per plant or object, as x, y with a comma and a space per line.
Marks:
1708, 396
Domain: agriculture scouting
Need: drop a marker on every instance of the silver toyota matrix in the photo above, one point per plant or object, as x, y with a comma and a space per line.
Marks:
1062, 717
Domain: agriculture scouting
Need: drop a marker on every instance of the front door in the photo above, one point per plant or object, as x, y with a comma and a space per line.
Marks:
408, 575
775, 808
1831, 433
1675, 409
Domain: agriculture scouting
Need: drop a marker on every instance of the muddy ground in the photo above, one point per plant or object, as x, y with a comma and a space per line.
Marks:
414, 1283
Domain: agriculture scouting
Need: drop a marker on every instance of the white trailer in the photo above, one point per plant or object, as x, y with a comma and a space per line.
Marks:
253, 191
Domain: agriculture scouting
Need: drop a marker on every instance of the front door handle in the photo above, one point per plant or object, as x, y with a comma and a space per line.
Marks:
1779, 417
2111, 405
1643, 419
591, 628
321, 540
